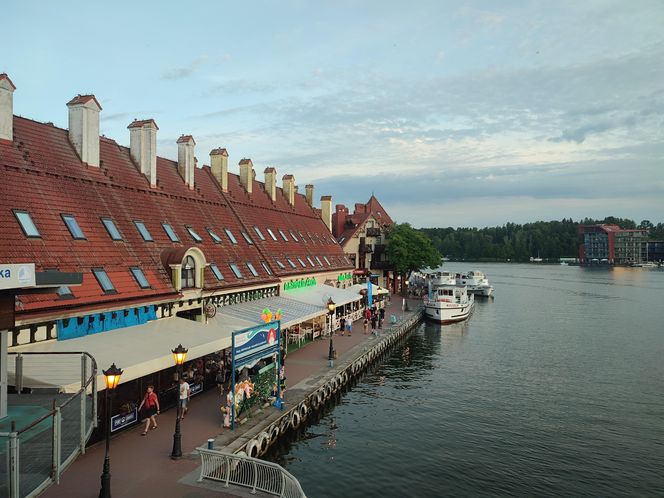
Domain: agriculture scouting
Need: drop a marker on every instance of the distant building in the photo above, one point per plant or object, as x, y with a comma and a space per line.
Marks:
363, 239
610, 244
656, 250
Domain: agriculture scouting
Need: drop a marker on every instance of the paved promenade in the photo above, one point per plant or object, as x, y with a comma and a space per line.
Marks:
141, 466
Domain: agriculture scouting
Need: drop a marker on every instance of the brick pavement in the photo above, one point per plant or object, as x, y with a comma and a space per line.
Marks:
141, 465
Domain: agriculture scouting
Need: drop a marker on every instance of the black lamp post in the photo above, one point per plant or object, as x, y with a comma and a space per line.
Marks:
179, 354
330, 309
112, 378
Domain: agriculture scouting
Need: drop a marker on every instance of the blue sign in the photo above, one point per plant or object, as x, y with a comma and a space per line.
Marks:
195, 389
255, 341
120, 421
369, 294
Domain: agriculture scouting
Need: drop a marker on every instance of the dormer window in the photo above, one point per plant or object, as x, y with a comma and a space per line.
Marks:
188, 273
230, 235
73, 227
170, 232
215, 237
27, 225
274, 237
142, 229
112, 230
194, 234
259, 233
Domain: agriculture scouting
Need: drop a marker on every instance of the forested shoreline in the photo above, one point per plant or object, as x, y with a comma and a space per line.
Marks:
549, 240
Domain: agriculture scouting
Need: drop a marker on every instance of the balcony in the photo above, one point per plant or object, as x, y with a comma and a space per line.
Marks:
381, 265
373, 232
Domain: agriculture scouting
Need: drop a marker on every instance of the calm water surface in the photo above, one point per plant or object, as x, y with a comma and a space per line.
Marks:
555, 388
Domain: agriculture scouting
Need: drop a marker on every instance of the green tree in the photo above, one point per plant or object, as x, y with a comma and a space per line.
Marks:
410, 250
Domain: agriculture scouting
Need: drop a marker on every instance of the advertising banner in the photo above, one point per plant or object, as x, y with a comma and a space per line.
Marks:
120, 421
255, 342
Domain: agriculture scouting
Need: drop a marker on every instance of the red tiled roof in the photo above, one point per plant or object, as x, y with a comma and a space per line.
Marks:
185, 138
245, 161
83, 99
219, 152
137, 123
378, 210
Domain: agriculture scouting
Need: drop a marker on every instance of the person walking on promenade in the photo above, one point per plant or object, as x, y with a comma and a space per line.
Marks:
342, 324
381, 317
366, 326
349, 327
185, 396
151, 403
374, 320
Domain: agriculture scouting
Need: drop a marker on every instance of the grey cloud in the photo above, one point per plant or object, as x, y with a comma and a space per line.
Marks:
178, 73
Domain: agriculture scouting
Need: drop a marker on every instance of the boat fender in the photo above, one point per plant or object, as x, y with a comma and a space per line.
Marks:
304, 410
319, 399
295, 419
345, 377
263, 442
252, 448
283, 426
274, 434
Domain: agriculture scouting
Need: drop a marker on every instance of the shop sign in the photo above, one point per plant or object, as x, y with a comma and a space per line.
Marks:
17, 276
344, 276
120, 421
255, 341
301, 283
196, 388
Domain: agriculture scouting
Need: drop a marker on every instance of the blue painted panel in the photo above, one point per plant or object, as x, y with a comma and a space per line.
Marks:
104, 322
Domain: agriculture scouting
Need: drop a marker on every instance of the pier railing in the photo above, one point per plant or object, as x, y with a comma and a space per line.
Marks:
47, 431
247, 472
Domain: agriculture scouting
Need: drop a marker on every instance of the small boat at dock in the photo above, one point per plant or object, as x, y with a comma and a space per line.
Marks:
447, 301
476, 281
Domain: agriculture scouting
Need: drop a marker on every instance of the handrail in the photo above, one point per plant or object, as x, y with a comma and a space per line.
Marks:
247, 472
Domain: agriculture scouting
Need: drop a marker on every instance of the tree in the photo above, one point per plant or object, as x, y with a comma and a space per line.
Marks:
410, 250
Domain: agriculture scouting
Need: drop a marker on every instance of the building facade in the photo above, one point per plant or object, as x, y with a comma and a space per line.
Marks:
610, 244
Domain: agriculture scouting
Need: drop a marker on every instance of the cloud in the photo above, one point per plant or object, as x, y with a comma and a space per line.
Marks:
240, 86
178, 73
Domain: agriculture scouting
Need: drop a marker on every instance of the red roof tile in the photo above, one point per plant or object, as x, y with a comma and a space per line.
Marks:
219, 152
138, 123
83, 99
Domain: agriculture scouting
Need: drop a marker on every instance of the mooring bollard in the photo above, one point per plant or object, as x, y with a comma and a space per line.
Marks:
210, 444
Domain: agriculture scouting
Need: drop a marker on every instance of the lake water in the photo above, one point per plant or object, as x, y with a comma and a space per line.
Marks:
554, 388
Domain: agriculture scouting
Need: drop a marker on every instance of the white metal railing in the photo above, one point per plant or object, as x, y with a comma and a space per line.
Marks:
247, 472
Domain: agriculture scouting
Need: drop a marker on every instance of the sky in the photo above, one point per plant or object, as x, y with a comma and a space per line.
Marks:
451, 113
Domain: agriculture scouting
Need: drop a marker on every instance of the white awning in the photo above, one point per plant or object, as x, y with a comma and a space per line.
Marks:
293, 311
319, 295
138, 350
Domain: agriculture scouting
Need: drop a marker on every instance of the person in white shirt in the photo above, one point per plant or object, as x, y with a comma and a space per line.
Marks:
185, 394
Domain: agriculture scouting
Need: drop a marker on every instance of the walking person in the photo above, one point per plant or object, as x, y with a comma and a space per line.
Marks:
381, 317
342, 324
374, 321
151, 404
366, 326
185, 396
349, 327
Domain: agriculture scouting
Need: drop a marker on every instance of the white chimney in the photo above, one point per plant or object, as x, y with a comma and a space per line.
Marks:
143, 147
271, 183
288, 187
247, 174
326, 210
186, 160
309, 194
84, 128
219, 166
6, 108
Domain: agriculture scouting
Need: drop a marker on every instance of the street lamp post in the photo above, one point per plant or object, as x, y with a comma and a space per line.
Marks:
112, 378
330, 308
179, 354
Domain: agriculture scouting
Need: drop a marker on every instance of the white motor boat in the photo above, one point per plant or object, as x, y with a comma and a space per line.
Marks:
447, 301
476, 282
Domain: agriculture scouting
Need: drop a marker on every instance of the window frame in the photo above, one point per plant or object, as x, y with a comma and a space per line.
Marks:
133, 270
274, 237
246, 237
191, 273
64, 217
105, 219
280, 264
266, 268
170, 234
320, 263
193, 234
283, 235
291, 262
68, 295
311, 262
259, 233
20, 224
140, 232
327, 260
213, 235
293, 236
236, 271
304, 265
100, 270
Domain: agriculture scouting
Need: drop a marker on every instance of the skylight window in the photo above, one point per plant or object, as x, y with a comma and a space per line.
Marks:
140, 226
290, 262
73, 227
111, 229
327, 261
259, 233
27, 225
214, 236
293, 235
310, 261
304, 265
231, 237
266, 268
170, 232
217, 272
280, 264
252, 269
236, 270
194, 234
320, 263
104, 282
247, 238
64, 292
283, 235
341, 240
140, 278
302, 237
272, 234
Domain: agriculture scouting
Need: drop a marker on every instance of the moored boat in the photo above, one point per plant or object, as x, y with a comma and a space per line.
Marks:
447, 301
476, 281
